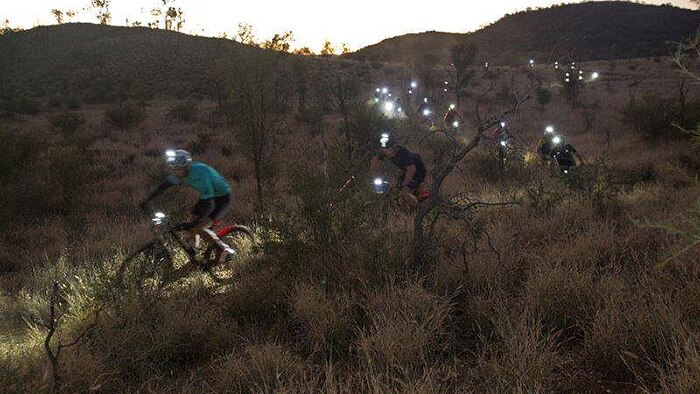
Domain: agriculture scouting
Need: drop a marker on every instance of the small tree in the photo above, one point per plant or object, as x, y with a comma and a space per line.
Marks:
279, 42
327, 49
463, 56
543, 95
257, 110
58, 15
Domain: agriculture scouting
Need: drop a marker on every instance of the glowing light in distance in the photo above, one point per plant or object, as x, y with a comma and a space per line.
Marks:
378, 181
385, 90
426, 112
389, 106
452, 106
159, 215
170, 153
556, 140
503, 124
414, 84
503, 143
455, 124
595, 75
378, 90
410, 92
549, 129
446, 83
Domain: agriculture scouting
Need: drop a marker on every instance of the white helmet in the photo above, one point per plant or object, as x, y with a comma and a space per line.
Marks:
178, 158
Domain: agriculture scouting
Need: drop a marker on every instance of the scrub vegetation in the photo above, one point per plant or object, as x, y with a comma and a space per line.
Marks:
588, 282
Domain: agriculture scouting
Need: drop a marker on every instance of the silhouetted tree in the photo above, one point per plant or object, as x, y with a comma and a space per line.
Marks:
245, 34
279, 42
306, 51
327, 49
104, 16
58, 15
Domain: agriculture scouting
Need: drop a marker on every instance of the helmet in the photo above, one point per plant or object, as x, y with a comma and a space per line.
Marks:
387, 140
177, 158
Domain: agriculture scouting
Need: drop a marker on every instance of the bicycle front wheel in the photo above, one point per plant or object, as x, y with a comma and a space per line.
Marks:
143, 271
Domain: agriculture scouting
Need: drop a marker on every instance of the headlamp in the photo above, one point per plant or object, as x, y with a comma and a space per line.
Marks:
384, 140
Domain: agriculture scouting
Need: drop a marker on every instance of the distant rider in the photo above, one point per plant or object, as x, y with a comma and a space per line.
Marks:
452, 118
545, 144
411, 164
565, 156
214, 197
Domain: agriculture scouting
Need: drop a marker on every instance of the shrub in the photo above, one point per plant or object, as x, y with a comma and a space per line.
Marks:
125, 115
407, 330
25, 105
657, 118
68, 122
259, 369
523, 361
543, 95
185, 112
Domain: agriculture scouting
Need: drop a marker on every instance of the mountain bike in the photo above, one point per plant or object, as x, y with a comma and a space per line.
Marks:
167, 258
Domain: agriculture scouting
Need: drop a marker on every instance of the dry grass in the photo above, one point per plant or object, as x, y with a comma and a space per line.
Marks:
332, 305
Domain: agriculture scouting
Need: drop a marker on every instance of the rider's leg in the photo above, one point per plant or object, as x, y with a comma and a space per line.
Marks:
223, 204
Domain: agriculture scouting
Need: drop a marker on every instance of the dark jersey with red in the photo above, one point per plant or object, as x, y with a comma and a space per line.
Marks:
564, 155
403, 159
451, 116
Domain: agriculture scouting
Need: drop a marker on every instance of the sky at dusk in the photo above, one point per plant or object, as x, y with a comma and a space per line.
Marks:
358, 23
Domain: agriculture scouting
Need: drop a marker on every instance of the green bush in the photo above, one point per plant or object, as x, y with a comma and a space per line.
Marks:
68, 122
185, 112
26, 105
125, 115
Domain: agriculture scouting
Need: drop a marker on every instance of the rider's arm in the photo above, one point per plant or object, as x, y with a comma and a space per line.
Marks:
166, 184
410, 172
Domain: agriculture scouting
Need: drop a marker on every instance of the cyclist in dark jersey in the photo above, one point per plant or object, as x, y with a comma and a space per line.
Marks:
565, 155
411, 164
214, 196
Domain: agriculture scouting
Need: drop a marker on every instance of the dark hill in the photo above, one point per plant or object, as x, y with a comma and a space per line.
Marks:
97, 61
586, 31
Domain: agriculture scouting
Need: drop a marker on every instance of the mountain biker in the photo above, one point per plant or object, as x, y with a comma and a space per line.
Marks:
545, 144
565, 155
452, 118
214, 197
412, 166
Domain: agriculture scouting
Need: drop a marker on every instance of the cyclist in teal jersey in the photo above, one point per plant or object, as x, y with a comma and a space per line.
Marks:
214, 196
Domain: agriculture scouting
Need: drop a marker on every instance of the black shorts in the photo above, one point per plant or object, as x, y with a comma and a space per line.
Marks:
221, 206
418, 178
